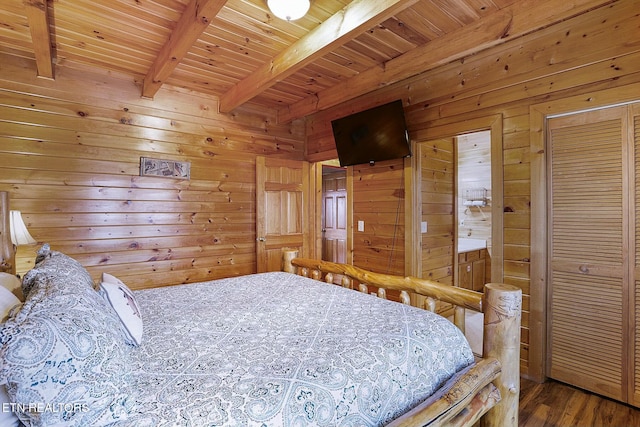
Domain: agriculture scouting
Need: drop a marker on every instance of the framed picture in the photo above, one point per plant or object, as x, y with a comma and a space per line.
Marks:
164, 168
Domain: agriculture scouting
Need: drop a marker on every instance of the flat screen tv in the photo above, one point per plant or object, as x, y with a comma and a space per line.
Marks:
373, 135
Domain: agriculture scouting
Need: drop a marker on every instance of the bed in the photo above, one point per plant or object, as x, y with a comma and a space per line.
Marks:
270, 349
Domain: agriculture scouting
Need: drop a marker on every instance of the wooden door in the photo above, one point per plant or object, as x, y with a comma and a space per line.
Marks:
436, 163
591, 198
633, 124
282, 212
437, 183
334, 216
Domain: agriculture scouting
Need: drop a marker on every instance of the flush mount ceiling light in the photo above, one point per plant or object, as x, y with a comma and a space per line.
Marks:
289, 9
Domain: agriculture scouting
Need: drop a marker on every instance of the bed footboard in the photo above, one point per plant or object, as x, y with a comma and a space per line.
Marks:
463, 400
491, 389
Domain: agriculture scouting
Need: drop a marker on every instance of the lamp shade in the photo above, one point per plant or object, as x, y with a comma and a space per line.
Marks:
19, 233
289, 9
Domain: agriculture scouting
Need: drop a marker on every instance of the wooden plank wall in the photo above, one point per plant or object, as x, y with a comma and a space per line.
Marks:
595, 51
70, 151
378, 201
437, 187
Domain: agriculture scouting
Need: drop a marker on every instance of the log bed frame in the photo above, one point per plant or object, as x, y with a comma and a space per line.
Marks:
7, 254
489, 391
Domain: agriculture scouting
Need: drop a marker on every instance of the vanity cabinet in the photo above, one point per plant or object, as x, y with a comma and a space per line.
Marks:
471, 269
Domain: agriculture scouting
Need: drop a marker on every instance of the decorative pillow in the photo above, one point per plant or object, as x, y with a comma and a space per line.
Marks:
62, 358
7, 302
12, 283
66, 273
120, 297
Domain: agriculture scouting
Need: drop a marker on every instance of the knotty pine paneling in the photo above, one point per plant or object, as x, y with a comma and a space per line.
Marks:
378, 200
69, 157
437, 188
591, 52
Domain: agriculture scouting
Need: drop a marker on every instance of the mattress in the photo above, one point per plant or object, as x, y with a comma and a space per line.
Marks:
276, 349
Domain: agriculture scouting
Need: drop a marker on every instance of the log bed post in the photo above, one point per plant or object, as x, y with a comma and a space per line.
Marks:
502, 317
7, 254
287, 256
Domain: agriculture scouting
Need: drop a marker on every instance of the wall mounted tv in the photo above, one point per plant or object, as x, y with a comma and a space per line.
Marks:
373, 135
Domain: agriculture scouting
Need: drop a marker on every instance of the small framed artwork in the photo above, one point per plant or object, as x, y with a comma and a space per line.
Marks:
164, 168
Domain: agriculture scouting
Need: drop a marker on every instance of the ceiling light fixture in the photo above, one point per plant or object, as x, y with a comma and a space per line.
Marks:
289, 9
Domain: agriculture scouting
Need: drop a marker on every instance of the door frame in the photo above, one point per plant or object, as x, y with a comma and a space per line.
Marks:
492, 123
538, 114
315, 208
340, 251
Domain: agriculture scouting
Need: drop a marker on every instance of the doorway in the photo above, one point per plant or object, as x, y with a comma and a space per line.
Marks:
334, 214
436, 224
438, 195
473, 182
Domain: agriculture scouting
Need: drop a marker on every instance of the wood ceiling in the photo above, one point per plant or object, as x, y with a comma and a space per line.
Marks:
237, 51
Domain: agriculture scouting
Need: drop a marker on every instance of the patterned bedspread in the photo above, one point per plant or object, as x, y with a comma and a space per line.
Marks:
277, 349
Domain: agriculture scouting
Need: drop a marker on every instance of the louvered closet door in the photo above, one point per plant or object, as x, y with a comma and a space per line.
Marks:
590, 196
634, 133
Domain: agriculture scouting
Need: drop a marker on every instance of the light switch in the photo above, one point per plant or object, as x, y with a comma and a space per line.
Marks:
360, 225
423, 226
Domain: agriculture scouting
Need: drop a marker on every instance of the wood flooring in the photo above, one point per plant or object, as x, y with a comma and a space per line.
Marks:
553, 404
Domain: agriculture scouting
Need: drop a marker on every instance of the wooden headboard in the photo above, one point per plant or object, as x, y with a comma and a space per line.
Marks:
7, 255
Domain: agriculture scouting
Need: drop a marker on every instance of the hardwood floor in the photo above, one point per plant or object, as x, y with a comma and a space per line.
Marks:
556, 404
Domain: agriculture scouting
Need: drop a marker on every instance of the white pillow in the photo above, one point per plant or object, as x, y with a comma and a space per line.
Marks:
7, 302
120, 297
11, 282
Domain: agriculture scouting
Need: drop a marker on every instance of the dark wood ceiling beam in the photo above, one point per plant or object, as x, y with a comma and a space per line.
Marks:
38, 19
513, 21
193, 22
339, 29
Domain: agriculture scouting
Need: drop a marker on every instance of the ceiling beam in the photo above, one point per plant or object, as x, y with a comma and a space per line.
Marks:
518, 19
350, 22
193, 22
38, 19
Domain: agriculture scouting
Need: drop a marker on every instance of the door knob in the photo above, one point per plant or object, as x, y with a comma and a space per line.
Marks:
261, 239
